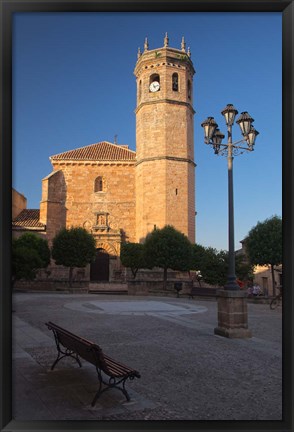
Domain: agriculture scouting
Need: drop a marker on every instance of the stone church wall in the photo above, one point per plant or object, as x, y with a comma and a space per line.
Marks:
52, 208
117, 199
69, 199
19, 203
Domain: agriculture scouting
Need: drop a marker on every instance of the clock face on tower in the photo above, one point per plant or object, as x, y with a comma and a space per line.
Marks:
154, 86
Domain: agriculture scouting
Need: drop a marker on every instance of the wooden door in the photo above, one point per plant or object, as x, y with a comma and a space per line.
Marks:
100, 267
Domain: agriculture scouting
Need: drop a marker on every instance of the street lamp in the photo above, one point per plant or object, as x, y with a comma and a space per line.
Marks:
214, 137
232, 307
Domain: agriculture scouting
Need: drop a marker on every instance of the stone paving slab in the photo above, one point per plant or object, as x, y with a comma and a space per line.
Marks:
125, 307
187, 372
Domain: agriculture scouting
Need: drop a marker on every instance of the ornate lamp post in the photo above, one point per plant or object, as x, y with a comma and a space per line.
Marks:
232, 315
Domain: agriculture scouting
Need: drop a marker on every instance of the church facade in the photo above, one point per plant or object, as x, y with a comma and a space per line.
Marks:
121, 195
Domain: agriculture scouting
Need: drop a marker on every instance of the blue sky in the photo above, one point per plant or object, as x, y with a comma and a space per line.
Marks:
73, 85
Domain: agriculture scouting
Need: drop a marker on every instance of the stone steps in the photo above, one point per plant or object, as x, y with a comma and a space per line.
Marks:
108, 292
107, 288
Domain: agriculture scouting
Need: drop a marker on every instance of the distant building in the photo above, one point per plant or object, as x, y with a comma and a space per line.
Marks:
263, 277
262, 274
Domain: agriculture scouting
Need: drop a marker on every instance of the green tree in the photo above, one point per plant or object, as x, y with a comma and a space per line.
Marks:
29, 254
244, 269
214, 265
40, 245
211, 263
264, 245
132, 256
73, 247
168, 248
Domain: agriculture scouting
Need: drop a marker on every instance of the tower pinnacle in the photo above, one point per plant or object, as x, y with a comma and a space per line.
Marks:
166, 40
146, 45
183, 44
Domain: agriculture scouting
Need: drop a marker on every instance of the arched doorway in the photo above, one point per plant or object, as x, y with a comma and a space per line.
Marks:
99, 271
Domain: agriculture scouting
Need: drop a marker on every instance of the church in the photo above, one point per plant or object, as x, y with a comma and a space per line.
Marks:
120, 195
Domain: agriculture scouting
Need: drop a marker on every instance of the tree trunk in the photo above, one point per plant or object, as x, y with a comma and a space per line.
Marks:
273, 280
134, 272
164, 278
70, 276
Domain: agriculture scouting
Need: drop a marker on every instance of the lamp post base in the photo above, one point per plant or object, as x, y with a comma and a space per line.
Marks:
232, 315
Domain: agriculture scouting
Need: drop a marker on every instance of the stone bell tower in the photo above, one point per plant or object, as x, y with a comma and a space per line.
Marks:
165, 168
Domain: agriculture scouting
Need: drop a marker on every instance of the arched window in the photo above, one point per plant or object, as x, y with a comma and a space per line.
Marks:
98, 185
140, 90
154, 77
189, 90
175, 82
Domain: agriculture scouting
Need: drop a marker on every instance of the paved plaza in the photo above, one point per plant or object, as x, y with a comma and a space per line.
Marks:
187, 372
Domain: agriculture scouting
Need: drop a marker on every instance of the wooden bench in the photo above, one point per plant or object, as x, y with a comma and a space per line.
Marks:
70, 345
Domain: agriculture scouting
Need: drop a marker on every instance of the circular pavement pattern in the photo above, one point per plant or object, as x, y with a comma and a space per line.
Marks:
135, 307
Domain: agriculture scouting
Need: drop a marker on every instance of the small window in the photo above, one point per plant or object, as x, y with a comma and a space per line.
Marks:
189, 89
175, 81
98, 186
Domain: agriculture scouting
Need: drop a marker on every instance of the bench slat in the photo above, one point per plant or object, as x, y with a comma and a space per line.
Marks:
62, 330
119, 368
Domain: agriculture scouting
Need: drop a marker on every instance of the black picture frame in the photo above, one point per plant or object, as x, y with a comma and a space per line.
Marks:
8, 7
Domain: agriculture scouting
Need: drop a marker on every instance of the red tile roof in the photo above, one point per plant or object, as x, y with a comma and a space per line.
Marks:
104, 151
28, 218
